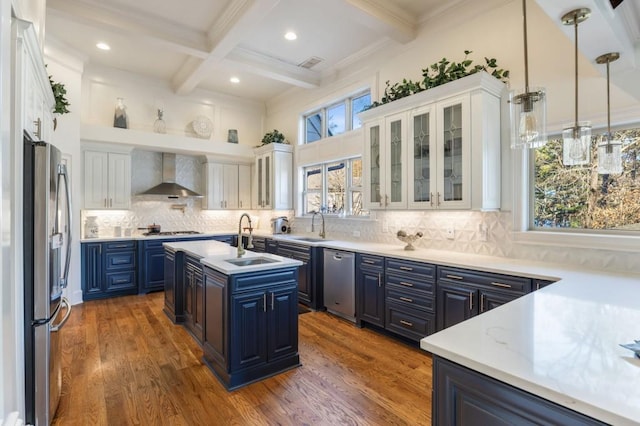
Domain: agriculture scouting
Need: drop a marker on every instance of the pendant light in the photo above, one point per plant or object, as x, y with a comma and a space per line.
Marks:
576, 137
609, 150
529, 108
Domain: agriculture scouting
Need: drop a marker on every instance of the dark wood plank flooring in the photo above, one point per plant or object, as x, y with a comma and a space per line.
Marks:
125, 363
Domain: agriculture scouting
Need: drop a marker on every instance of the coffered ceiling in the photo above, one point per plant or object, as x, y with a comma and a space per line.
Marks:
202, 43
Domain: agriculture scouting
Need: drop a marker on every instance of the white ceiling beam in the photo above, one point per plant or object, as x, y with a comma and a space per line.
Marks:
132, 23
381, 16
234, 25
275, 69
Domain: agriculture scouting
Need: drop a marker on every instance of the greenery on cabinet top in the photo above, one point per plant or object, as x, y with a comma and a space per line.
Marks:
437, 74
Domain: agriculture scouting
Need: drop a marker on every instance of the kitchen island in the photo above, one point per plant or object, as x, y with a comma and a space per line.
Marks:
550, 356
247, 308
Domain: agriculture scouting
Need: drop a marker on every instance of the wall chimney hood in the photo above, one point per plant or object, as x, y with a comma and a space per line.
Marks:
169, 187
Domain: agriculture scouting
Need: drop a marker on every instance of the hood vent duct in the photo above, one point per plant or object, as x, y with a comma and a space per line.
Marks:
169, 187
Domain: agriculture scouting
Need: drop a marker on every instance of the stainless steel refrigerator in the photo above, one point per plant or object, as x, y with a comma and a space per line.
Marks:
47, 247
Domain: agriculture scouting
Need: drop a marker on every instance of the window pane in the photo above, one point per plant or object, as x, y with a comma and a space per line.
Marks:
313, 127
356, 172
357, 105
313, 178
336, 119
312, 202
356, 203
580, 198
336, 186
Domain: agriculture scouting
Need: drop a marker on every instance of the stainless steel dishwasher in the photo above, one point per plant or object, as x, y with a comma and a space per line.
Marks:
339, 283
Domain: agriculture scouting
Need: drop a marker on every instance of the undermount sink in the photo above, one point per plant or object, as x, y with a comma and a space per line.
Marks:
309, 239
251, 261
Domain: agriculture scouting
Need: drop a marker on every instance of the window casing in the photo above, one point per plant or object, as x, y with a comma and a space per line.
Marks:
334, 188
577, 199
335, 119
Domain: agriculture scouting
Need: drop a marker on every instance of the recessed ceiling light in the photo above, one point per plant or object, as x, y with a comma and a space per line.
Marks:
103, 46
290, 35
234, 80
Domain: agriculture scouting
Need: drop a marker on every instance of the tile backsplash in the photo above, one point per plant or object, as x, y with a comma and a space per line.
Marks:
381, 227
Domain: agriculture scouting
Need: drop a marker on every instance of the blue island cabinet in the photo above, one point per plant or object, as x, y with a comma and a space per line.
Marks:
251, 324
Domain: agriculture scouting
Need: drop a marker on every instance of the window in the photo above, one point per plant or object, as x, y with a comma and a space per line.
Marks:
334, 188
337, 118
578, 198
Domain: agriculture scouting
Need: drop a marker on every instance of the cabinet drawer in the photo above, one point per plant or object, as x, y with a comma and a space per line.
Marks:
121, 280
120, 245
368, 261
293, 254
155, 244
425, 270
410, 298
409, 282
296, 248
489, 280
120, 260
410, 323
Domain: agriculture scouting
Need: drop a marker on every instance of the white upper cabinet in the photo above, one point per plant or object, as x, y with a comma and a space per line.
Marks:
227, 186
34, 101
438, 149
107, 180
274, 177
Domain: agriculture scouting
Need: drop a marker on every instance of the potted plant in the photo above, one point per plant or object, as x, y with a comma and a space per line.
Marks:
273, 137
62, 104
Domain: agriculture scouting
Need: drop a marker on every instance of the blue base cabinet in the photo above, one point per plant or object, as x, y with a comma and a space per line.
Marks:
369, 289
108, 269
251, 324
462, 396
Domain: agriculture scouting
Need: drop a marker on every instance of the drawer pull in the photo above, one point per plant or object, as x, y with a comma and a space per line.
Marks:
501, 284
369, 262
406, 299
470, 301
406, 284
406, 268
481, 303
379, 279
407, 323
121, 246
455, 277
122, 281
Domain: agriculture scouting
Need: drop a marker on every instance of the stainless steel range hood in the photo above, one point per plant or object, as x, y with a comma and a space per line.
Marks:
169, 187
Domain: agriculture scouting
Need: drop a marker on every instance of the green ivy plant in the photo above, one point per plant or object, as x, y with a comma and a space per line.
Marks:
439, 73
273, 137
59, 93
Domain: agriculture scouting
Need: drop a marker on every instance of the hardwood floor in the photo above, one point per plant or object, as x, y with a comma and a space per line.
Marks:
125, 363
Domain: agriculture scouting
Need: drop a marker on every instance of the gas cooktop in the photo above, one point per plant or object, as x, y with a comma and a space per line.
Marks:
152, 234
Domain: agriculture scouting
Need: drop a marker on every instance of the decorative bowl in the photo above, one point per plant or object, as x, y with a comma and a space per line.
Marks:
408, 239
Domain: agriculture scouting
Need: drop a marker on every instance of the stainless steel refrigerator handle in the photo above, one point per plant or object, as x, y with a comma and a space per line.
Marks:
65, 302
62, 171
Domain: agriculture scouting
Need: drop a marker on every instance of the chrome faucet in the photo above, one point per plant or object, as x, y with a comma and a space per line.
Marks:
241, 249
322, 233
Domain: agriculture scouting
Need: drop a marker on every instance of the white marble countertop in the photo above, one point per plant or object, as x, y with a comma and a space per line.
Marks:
216, 255
561, 343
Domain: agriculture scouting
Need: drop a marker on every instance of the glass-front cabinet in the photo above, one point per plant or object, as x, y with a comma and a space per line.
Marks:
274, 177
425, 152
386, 162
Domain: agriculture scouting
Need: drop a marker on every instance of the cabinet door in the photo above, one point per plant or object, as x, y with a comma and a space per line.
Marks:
96, 177
370, 286
119, 181
230, 172
282, 181
188, 281
264, 166
453, 154
249, 330
421, 184
170, 283
395, 174
455, 304
372, 154
493, 299
214, 184
283, 322
304, 281
198, 304
214, 341
244, 186
153, 270
91, 269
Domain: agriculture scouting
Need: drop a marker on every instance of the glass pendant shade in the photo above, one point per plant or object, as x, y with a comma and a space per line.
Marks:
528, 118
609, 156
576, 144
